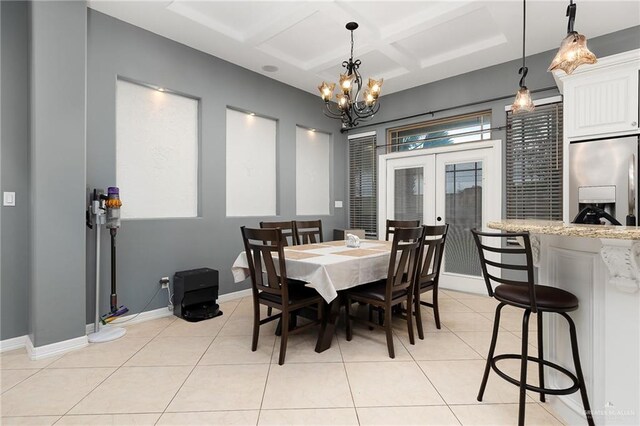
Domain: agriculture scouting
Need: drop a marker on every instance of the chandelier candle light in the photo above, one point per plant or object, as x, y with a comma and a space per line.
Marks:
573, 50
523, 102
351, 108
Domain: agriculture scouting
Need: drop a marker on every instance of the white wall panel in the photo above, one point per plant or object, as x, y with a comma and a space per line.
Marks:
156, 152
251, 165
313, 172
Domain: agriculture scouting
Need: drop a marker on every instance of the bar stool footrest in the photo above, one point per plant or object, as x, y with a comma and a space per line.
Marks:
537, 360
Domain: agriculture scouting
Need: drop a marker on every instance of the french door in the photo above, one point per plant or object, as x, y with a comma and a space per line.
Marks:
459, 185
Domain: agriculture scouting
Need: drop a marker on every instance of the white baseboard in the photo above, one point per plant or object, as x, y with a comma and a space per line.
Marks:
67, 345
57, 348
13, 343
136, 318
235, 295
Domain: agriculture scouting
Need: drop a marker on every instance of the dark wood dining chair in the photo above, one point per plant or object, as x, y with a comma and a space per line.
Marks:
429, 272
393, 224
288, 230
523, 293
264, 249
308, 231
395, 289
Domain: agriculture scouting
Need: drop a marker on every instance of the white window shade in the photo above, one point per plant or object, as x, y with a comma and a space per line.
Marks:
313, 172
251, 165
156, 152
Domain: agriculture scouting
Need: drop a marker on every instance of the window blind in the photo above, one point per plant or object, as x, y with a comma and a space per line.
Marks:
534, 163
363, 185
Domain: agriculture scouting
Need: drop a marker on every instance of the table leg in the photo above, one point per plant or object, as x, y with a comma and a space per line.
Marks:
328, 325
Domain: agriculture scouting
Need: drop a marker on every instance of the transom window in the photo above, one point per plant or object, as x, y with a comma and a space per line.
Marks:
446, 131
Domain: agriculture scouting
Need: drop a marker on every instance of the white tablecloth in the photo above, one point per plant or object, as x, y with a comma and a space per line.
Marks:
329, 267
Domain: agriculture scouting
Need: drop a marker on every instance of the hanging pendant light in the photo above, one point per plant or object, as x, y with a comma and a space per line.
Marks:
573, 50
353, 104
523, 102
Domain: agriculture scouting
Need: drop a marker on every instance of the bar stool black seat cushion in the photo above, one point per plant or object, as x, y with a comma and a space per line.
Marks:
547, 298
297, 293
375, 291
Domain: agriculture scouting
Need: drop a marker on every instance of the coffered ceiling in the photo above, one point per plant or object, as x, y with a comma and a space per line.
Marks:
408, 43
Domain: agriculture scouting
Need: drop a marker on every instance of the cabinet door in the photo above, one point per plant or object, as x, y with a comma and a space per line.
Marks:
602, 103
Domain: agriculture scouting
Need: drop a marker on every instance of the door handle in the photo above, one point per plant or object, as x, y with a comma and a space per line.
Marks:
439, 219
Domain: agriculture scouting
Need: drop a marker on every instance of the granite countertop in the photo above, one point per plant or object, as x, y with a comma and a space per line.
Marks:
550, 227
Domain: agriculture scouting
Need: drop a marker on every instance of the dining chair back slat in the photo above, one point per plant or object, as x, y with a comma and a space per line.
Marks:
393, 224
287, 228
308, 231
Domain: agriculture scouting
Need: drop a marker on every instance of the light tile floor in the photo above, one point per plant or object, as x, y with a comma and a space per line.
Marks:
170, 372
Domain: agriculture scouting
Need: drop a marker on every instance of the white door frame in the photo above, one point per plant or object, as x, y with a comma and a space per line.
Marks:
493, 196
492, 171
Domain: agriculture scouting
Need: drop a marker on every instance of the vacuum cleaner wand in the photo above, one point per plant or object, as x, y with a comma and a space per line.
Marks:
105, 210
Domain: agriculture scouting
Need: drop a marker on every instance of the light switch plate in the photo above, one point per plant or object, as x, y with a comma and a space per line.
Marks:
338, 204
9, 199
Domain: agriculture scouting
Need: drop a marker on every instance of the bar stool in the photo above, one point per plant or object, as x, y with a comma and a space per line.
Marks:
533, 299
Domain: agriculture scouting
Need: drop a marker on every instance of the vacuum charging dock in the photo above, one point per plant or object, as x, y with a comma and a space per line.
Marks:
195, 293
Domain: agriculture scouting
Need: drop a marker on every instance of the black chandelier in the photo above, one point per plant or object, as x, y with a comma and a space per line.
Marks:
351, 108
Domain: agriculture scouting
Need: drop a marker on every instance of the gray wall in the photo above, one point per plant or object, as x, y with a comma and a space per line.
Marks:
150, 249
58, 103
14, 244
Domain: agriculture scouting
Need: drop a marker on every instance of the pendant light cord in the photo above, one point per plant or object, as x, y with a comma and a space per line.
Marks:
524, 28
523, 70
351, 58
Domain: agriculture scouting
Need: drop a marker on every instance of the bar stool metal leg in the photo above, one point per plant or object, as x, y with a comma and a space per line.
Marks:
578, 367
540, 356
523, 366
492, 348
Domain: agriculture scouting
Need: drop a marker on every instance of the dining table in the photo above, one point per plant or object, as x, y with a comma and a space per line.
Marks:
329, 267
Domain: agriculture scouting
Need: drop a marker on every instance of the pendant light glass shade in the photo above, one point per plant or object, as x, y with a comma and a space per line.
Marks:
573, 53
523, 102
573, 50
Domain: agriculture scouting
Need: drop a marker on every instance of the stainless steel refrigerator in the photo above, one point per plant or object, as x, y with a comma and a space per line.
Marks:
603, 176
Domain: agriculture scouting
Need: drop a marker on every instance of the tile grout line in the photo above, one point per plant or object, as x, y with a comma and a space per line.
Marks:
266, 380
112, 373
195, 365
344, 366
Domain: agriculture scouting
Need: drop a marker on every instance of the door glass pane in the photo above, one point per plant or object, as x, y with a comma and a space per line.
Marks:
408, 194
463, 212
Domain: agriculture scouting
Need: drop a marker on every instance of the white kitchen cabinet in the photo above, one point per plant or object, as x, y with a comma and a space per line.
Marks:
602, 99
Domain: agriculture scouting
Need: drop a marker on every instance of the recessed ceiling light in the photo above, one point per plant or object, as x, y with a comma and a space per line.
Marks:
270, 68
160, 89
252, 114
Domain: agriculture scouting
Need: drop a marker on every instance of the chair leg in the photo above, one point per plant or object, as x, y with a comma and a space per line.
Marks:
416, 301
523, 366
388, 329
578, 367
269, 311
540, 356
492, 348
256, 325
348, 319
370, 316
412, 339
436, 311
285, 335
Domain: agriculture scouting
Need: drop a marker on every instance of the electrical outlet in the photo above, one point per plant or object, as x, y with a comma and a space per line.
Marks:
164, 282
